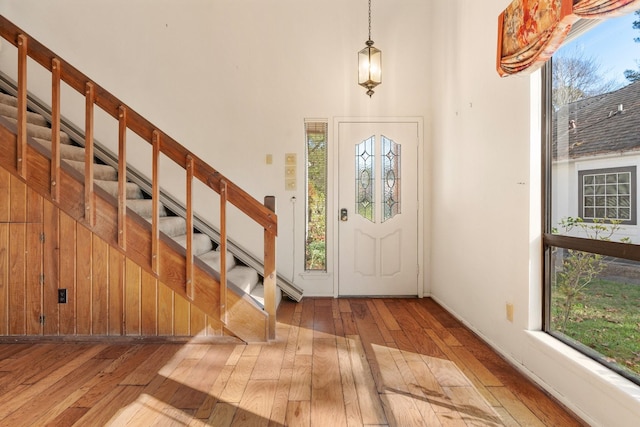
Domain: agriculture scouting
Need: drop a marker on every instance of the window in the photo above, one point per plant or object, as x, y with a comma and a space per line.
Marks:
316, 206
391, 178
608, 194
592, 151
365, 179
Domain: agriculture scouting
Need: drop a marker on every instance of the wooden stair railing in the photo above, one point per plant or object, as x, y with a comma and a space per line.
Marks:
127, 118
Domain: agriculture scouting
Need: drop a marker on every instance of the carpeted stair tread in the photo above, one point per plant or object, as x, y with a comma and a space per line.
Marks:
246, 278
9, 111
101, 172
213, 260
172, 225
42, 132
8, 99
258, 294
111, 187
144, 207
201, 243
67, 152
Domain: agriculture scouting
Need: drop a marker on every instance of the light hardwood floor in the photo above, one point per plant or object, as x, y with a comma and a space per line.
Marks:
336, 362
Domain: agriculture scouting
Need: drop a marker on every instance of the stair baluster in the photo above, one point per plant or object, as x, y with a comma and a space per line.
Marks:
189, 220
122, 177
89, 201
155, 197
21, 161
223, 251
55, 129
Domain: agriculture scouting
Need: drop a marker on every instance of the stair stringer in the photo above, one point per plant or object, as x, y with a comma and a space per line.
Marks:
244, 318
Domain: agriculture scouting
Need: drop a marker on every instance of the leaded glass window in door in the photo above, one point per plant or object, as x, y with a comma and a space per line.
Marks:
386, 184
390, 178
365, 178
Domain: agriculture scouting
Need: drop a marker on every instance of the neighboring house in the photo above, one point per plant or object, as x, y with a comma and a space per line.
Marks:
596, 155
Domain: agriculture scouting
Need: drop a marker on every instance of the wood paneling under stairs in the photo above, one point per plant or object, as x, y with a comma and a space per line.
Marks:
347, 362
43, 249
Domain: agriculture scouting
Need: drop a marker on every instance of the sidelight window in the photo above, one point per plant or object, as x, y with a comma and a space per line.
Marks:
316, 206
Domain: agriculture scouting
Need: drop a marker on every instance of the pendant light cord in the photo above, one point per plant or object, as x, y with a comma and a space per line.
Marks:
369, 19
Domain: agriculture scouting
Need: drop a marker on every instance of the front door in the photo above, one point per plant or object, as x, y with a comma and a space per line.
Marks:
378, 202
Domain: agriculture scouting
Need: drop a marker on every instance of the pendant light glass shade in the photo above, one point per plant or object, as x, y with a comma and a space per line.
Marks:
369, 64
369, 67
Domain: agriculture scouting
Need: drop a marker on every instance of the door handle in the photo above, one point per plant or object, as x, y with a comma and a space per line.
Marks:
344, 215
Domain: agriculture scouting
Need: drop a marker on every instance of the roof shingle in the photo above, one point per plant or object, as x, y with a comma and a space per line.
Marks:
603, 124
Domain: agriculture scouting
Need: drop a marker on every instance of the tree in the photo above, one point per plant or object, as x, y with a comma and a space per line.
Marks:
577, 76
634, 75
579, 269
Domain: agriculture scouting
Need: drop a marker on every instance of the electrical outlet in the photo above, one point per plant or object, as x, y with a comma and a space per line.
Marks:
62, 296
510, 312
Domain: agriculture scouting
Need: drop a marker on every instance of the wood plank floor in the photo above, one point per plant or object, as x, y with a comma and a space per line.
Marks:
336, 362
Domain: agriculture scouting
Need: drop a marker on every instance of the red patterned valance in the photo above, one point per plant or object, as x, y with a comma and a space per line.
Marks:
530, 31
603, 8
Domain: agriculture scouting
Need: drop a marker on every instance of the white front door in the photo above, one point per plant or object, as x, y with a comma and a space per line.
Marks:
378, 203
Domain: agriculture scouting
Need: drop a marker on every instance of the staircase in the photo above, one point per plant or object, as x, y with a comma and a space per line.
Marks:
175, 252
239, 275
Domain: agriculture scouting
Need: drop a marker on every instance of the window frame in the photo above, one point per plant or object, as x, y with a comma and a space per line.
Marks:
550, 241
631, 170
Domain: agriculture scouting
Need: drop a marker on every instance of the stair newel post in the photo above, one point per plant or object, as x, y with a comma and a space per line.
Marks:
89, 201
155, 196
122, 177
55, 129
189, 220
269, 280
21, 157
223, 250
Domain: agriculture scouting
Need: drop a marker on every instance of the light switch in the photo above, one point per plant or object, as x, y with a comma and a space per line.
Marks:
290, 184
269, 159
290, 161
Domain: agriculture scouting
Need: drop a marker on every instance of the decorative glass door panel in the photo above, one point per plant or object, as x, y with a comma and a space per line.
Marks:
390, 178
365, 174
378, 200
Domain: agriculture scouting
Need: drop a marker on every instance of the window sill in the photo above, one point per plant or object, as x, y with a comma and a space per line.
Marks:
581, 366
315, 275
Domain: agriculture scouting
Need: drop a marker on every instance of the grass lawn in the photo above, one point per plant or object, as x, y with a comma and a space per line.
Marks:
606, 318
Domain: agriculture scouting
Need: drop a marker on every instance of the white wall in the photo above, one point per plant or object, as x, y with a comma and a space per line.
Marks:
486, 212
481, 181
233, 81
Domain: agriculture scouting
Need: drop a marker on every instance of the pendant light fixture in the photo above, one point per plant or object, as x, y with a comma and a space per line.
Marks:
369, 64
